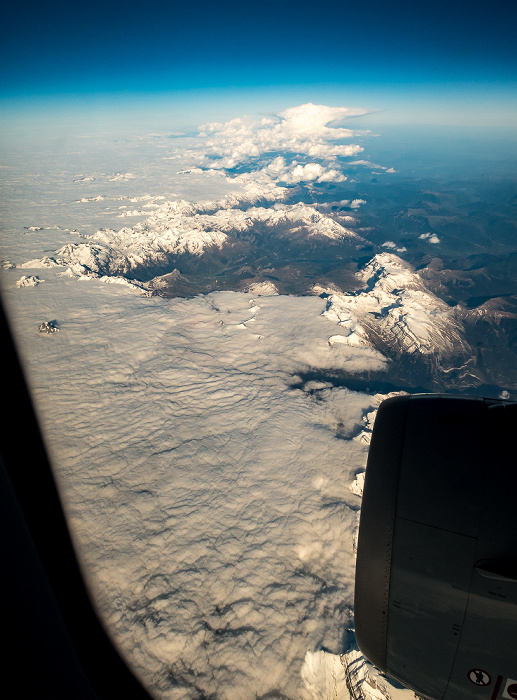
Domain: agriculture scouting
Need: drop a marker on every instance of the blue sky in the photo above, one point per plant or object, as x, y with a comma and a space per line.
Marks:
443, 61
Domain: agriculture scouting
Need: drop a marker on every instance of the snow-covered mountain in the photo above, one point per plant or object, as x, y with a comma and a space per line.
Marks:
397, 310
393, 309
180, 228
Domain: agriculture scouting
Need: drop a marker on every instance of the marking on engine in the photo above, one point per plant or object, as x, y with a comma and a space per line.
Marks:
479, 677
510, 689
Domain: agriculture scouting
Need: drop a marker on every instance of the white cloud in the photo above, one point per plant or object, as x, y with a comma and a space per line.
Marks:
298, 172
311, 172
219, 499
393, 246
299, 145
430, 238
303, 130
310, 119
369, 164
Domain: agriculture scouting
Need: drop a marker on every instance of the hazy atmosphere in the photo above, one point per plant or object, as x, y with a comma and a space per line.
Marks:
225, 239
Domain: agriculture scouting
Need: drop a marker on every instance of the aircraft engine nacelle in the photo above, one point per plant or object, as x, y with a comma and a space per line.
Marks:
436, 579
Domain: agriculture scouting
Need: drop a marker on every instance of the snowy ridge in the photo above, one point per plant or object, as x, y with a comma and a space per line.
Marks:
365, 682
181, 227
83, 200
398, 310
122, 177
255, 187
493, 310
266, 288
40, 263
28, 281
301, 215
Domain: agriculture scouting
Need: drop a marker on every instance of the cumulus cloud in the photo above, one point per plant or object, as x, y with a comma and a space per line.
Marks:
393, 246
303, 144
295, 172
303, 130
310, 119
430, 238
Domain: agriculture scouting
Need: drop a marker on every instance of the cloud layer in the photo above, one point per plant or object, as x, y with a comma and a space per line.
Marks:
209, 491
207, 486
